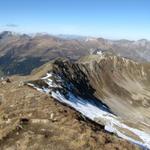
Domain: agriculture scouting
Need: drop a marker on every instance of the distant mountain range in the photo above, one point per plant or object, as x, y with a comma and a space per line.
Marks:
21, 53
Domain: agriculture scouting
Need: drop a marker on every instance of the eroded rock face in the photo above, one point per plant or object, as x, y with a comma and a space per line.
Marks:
107, 77
119, 82
72, 74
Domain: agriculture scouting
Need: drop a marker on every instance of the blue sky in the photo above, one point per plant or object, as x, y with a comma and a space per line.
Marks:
113, 19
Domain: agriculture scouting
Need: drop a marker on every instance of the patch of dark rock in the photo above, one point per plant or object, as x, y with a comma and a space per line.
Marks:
8, 80
39, 83
24, 121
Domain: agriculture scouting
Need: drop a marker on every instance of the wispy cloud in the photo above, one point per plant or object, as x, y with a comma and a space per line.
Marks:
11, 25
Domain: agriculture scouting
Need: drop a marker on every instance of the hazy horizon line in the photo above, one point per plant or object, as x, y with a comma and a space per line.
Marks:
70, 34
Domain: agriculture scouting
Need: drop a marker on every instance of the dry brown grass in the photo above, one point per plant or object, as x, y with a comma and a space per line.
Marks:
27, 123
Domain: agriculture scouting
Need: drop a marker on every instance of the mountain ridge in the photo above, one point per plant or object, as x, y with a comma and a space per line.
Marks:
102, 87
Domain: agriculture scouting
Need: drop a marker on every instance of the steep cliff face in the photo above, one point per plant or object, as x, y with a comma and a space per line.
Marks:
110, 79
110, 90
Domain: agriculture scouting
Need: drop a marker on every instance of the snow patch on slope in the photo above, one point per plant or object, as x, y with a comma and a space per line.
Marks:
88, 108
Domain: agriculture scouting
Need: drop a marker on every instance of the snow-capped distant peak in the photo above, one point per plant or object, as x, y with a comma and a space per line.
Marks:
90, 39
99, 52
96, 51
